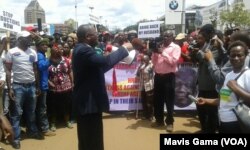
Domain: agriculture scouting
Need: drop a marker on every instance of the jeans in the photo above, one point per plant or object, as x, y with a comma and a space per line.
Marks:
25, 101
41, 112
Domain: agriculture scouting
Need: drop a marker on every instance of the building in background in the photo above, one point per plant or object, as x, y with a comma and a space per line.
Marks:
34, 11
61, 28
211, 14
193, 19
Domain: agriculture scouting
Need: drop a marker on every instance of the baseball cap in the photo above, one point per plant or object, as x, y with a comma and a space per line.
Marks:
23, 34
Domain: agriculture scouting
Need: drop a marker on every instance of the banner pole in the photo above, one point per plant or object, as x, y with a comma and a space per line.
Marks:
8, 39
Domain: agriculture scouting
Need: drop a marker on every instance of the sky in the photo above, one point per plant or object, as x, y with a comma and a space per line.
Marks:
113, 13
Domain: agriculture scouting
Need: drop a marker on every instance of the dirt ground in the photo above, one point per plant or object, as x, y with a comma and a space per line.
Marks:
122, 131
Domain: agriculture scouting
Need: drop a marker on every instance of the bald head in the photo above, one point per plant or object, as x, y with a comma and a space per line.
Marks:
87, 34
83, 30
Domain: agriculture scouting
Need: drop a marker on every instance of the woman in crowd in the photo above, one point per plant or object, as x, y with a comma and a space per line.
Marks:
66, 50
232, 89
60, 87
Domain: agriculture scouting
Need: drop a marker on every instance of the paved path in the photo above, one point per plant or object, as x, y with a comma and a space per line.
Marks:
121, 132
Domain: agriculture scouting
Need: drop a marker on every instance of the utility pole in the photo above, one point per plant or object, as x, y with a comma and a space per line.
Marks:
183, 17
76, 22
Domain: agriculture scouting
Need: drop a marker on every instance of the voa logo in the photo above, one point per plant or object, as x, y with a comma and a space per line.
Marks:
173, 5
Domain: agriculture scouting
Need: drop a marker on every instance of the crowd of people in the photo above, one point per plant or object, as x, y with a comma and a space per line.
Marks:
46, 78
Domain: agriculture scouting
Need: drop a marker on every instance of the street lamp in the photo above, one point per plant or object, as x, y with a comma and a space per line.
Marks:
100, 19
91, 8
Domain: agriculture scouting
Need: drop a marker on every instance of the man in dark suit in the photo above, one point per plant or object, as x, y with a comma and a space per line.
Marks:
90, 96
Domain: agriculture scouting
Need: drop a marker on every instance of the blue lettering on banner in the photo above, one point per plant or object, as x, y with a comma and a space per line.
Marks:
116, 101
125, 101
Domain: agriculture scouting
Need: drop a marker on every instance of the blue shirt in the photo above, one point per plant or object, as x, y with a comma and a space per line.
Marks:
43, 65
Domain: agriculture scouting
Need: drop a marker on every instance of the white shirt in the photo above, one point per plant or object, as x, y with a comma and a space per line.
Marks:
22, 64
228, 99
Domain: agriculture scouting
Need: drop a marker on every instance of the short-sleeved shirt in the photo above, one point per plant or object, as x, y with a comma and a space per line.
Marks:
59, 75
22, 64
228, 99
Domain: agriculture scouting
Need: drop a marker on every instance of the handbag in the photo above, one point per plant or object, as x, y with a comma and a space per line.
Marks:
242, 112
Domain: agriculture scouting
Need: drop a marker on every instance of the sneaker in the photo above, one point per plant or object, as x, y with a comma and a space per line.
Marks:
49, 133
69, 125
16, 145
53, 127
170, 128
36, 136
157, 124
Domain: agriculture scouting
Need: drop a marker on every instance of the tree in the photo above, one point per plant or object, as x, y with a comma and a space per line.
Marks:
238, 16
71, 23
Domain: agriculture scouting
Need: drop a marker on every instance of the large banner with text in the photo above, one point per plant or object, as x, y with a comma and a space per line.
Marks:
127, 96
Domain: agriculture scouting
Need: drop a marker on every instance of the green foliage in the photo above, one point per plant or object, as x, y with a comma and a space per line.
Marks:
238, 16
131, 27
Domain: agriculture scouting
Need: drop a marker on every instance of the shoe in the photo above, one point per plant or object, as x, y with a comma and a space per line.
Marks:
157, 124
36, 136
53, 127
170, 128
49, 133
69, 125
16, 145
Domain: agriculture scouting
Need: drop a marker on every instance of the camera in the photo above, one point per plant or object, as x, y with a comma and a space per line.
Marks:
154, 44
193, 45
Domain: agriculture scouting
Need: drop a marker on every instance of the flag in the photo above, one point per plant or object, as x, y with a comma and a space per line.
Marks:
114, 84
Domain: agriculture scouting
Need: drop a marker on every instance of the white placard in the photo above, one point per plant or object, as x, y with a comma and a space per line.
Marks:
9, 21
149, 29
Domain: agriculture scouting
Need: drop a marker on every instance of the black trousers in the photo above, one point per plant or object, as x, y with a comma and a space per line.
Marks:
147, 103
90, 132
208, 115
164, 92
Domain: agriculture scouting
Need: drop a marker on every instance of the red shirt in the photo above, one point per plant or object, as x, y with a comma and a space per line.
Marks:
184, 50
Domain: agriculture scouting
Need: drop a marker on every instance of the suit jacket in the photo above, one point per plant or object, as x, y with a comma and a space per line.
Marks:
89, 93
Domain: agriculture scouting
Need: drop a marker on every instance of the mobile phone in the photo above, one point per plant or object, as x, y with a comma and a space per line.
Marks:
191, 97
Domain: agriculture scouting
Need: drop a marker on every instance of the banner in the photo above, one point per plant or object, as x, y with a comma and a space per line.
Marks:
9, 21
127, 96
149, 29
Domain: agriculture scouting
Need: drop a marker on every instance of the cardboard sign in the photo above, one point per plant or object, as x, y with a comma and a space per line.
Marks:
9, 21
149, 29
